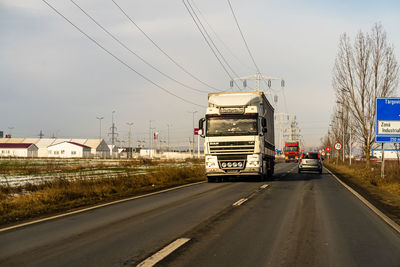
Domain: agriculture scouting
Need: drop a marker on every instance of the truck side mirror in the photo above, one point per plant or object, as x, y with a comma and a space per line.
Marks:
201, 126
264, 125
264, 122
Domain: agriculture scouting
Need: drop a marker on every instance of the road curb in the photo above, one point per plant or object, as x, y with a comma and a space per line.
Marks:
383, 216
96, 207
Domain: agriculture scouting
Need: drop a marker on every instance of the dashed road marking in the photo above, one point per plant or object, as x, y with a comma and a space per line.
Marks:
239, 202
155, 258
264, 186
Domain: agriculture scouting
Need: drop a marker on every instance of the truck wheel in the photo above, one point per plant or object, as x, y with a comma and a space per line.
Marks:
270, 173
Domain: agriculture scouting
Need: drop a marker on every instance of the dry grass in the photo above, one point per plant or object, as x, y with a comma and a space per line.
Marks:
32, 201
383, 192
39, 166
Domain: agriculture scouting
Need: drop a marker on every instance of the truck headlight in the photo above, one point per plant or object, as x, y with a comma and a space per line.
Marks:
211, 162
253, 161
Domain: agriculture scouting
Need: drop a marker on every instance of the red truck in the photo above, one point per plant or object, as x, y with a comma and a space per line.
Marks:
291, 151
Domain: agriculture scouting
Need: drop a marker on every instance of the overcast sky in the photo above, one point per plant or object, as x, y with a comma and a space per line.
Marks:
55, 79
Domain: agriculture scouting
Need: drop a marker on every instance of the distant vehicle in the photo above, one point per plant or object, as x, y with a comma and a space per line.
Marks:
291, 151
239, 135
310, 161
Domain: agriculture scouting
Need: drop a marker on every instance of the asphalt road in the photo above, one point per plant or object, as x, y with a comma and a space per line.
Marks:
306, 219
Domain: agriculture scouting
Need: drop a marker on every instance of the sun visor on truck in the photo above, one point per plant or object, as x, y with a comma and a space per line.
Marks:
233, 100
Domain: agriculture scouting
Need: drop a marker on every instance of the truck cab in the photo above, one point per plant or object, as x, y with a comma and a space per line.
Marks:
291, 151
239, 135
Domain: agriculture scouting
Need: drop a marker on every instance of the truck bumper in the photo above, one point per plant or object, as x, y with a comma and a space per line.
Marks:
246, 172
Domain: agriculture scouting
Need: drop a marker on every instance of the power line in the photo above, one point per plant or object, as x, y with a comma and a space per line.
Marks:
212, 42
241, 33
132, 52
245, 42
219, 38
162, 51
208, 43
118, 59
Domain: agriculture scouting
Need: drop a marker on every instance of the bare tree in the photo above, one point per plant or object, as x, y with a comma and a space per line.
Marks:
363, 71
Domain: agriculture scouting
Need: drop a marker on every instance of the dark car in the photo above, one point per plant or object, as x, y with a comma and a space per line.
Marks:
310, 161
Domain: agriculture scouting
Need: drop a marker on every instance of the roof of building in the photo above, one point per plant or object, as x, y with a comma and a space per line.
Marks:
46, 142
93, 143
74, 143
15, 145
69, 142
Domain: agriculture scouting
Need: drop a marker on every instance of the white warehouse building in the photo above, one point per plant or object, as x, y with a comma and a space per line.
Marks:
18, 150
68, 149
99, 148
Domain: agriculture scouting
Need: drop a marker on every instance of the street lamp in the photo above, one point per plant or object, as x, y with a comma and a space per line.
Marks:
193, 112
10, 131
100, 118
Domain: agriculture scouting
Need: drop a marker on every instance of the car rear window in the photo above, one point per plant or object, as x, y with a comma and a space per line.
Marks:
310, 156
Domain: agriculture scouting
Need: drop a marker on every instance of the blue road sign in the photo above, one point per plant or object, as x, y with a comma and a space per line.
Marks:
387, 121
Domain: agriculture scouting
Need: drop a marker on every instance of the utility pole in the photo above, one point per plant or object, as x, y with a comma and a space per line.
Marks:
257, 78
150, 140
41, 134
100, 118
193, 112
168, 138
113, 129
129, 139
342, 125
383, 162
350, 147
343, 132
150, 135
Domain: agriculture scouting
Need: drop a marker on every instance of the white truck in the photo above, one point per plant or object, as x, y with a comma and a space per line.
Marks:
239, 135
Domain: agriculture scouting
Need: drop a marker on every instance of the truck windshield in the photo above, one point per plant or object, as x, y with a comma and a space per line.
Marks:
228, 126
291, 148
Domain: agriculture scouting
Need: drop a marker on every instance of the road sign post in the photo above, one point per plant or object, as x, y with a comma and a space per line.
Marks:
338, 147
387, 123
328, 151
197, 132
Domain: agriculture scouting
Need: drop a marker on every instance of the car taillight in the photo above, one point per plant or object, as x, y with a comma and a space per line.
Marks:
300, 159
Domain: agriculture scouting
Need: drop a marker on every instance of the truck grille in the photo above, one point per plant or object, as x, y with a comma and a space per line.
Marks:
240, 147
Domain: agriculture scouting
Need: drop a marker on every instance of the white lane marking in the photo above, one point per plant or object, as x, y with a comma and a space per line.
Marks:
264, 186
389, 221
239, 202
154, 259
97, 206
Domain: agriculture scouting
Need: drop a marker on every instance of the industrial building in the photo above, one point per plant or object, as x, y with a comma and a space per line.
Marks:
98, 147
18, 150
68, 149
390, 154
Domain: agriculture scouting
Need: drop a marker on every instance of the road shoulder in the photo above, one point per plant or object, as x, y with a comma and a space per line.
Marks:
389, 213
